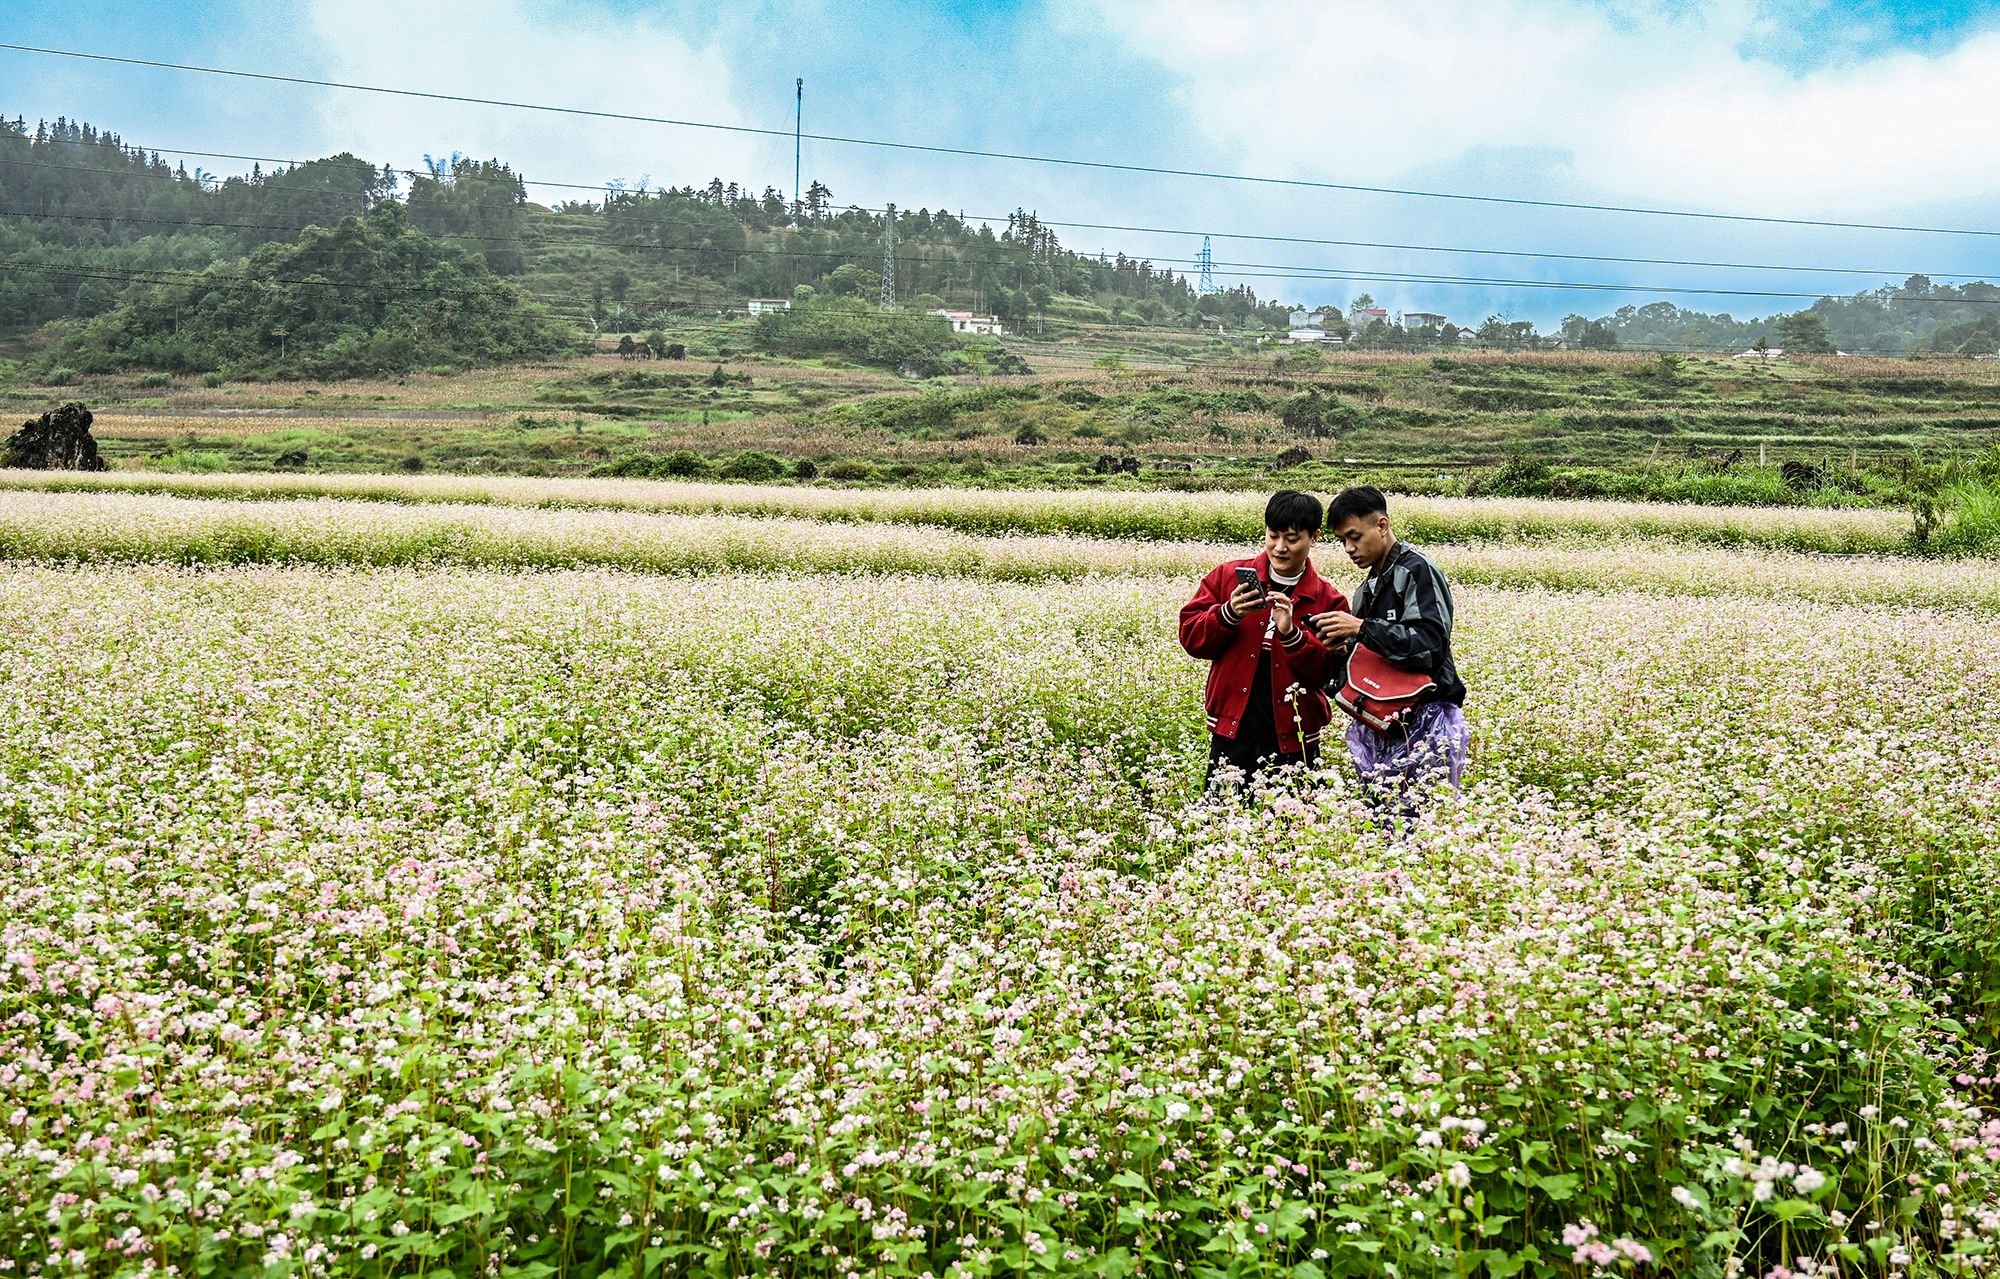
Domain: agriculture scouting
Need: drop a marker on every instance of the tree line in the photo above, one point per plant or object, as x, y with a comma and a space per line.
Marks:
83, 212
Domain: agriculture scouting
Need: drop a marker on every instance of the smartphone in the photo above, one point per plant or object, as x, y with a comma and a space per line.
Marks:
1247, 576
1317, 618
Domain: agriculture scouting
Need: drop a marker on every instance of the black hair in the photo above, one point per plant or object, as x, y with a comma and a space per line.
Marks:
1290, 510
1362, 502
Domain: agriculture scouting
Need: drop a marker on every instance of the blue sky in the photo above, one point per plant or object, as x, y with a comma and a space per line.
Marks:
1866, 111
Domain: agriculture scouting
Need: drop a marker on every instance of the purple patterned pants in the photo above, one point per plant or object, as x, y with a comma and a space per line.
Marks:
1428, 750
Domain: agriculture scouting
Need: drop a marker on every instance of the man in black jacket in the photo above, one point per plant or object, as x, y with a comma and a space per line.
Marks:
1403, 612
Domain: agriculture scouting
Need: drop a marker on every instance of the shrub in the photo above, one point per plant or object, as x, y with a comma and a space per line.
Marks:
849, 470
1519, 477
751, 464
682, 464
888, 339
153, 381
1969, 514
59, 376
633, 466
212, 380
1030, 434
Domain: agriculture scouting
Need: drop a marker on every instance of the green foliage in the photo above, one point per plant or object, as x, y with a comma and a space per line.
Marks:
1318, 416
887, 339
371, 295
481, 200
849, 470
1805, 334
678, 465
752, 464
1956, 510
682, 464
1519, 477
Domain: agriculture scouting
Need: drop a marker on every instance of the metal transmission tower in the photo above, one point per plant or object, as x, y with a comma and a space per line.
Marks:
798, 132
889, 260
1207, 265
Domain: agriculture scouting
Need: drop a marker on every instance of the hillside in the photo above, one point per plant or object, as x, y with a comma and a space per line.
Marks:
1830, 431
86, 218
85, 213
369, 295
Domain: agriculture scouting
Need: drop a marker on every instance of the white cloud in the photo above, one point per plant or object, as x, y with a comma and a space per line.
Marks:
539, 51
1651, 102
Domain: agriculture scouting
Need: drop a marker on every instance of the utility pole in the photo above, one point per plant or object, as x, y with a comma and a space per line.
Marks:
889, 260
798, 132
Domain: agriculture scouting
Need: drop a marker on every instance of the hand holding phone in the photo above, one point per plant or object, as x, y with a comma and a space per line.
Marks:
1249, 593
1337, 625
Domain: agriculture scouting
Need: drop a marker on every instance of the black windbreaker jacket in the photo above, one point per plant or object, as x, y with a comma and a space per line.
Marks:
1405, 607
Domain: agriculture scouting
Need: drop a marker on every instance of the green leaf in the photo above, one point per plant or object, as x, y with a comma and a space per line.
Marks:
1791, 1209
1559, 1186
452, 1213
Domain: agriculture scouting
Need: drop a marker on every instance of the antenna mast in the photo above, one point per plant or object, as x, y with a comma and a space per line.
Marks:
798, 131
889, 260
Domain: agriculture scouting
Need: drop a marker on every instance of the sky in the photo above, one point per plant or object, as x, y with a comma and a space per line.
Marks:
1864, 111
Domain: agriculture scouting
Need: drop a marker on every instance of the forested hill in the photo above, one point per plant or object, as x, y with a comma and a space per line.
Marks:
84, 218
79, 199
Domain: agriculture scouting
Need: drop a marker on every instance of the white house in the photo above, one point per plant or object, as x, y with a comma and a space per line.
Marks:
1423, 320
760, 305
1299, 336
973, 323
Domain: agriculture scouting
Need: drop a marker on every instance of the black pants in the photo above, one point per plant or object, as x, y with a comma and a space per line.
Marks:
1255, 745
1252, 756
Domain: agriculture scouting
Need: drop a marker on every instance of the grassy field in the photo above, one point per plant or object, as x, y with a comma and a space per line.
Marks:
461, 884
1700, 428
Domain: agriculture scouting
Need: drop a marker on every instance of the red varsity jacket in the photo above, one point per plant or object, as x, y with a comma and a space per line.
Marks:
1233, 650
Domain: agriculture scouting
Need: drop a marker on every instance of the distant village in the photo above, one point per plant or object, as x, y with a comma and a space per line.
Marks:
965, 323
1319, 326
1330, 326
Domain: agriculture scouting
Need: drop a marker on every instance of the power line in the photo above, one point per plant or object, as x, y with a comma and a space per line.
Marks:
205, 279
1505, 253
619, 189
518, 239
1250, 270
971, 152
177, 276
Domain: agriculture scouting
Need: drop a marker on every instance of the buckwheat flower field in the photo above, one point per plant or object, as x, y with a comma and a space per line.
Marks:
580, 892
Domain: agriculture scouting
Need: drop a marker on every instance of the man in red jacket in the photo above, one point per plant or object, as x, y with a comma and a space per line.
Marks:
1266, 703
